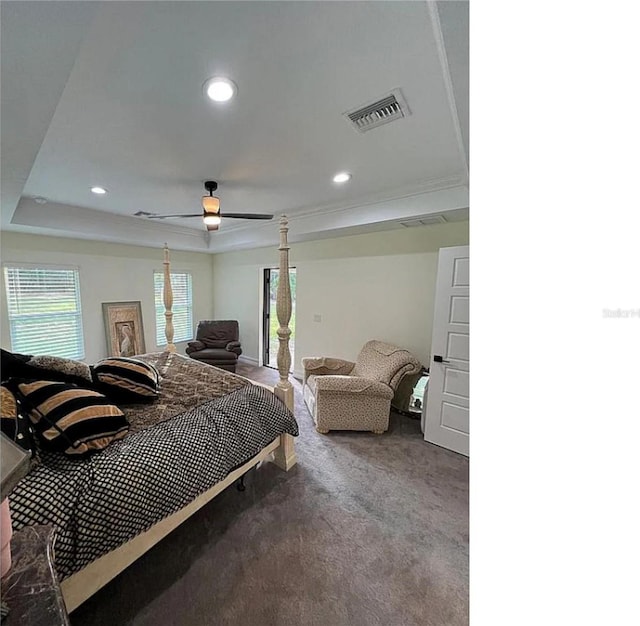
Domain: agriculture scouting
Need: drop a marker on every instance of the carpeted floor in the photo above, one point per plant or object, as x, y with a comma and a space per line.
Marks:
366, 530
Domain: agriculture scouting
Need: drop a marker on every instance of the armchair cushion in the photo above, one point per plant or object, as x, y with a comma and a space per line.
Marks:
234, 346
352, 384
322, 366
212, 354
218, 344
192, 346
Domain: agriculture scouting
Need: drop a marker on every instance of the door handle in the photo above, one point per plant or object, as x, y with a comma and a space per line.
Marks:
438, 359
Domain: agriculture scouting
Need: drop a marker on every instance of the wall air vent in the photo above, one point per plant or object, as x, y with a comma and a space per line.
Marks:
424, 221
391, 107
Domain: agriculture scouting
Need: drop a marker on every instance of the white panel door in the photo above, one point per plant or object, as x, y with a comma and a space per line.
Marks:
447, 406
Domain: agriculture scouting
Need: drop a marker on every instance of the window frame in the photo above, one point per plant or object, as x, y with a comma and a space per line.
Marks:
50, 267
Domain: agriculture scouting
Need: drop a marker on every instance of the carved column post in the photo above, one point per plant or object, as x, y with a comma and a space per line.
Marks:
285, 455
283, 311
168, 302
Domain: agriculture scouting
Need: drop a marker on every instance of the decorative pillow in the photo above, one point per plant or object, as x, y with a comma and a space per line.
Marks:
19, 366
69, 419
10, 363
68, 367
126, 379
14, 425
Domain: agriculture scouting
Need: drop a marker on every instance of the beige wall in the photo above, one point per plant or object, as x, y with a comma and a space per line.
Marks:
108, 273
379, 285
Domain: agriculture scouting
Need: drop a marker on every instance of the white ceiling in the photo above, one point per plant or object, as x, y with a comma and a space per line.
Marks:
110, 93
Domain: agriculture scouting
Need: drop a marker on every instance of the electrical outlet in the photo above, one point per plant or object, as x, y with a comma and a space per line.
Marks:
317, 318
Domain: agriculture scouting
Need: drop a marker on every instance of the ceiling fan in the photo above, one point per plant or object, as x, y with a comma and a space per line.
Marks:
210, 211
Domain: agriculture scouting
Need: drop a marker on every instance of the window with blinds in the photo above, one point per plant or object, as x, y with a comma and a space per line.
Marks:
182, 307
44, 311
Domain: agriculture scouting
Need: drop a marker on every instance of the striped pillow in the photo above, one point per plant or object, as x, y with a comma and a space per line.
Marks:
14, 425
69, 419
127, 380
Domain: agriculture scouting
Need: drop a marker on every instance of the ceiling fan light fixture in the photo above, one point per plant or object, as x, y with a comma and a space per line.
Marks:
220, 89
211, 204
212, 219
211, 207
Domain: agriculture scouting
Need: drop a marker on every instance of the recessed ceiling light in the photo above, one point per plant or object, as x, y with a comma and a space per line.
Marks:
40, 200
220, 89
342, 177
98, 190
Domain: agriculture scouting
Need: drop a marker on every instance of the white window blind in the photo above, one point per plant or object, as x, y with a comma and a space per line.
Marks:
44, 311
182, 307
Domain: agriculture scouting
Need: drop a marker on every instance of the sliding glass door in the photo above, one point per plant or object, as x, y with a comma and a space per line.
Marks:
270, 323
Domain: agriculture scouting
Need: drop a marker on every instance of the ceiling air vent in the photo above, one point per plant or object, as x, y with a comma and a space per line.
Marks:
424, 221
388, 109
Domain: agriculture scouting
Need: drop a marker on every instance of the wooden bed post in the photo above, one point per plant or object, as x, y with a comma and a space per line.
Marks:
168, 302
285, 455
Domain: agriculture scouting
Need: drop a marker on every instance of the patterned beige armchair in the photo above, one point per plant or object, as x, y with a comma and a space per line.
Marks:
342, 395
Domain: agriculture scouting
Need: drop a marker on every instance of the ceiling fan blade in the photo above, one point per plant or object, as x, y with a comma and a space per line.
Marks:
247, 216
168, 217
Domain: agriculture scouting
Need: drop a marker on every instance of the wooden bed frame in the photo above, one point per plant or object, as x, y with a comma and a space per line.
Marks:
83, 584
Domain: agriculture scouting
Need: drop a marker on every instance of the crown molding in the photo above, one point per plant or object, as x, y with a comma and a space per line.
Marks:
373, 216
399, 193
448, 84
406, 191
379, 212
74, 221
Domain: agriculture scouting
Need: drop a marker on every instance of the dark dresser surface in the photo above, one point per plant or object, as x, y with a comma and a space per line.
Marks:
31, 589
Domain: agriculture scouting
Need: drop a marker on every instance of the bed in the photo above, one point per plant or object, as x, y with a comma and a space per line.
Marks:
206, 429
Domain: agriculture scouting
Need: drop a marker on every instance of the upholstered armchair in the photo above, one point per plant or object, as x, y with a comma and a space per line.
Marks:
217, 343
346, 395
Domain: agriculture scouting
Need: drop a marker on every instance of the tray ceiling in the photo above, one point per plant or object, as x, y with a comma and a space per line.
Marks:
110, 94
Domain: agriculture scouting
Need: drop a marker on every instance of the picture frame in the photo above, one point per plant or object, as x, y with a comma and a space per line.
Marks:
123, 326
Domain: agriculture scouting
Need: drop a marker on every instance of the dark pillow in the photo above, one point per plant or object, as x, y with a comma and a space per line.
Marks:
14, 424
126, 380
10, 363
70, 419
17, 366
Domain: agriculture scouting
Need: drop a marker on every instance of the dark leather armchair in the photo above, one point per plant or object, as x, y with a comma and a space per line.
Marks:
217, 343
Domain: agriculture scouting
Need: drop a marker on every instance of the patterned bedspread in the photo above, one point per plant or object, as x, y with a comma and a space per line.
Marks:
190, 443
185, 384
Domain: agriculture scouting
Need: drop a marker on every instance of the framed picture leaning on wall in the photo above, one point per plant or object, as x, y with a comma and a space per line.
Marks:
123, 324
